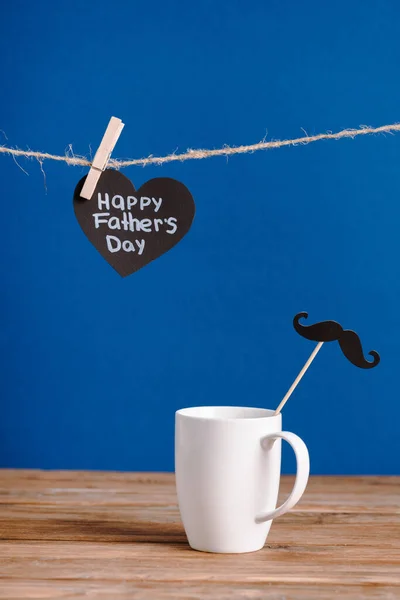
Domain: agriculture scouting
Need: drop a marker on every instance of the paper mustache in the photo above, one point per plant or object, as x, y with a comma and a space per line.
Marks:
330, 331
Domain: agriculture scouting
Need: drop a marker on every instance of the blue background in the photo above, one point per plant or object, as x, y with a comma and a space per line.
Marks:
93, 365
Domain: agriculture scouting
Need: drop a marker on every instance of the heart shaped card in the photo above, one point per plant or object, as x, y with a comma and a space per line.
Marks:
130, 227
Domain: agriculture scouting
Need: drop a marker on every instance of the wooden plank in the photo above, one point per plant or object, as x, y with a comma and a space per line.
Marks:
119, 535
171, 562
107, 590
324, 494
155, 523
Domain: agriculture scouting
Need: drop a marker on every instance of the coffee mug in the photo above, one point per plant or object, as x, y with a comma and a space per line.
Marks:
227, 465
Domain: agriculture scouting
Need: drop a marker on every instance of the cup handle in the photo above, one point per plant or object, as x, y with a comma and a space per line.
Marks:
302, 473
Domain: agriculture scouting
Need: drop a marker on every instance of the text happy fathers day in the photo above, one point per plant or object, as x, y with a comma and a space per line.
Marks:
126, 222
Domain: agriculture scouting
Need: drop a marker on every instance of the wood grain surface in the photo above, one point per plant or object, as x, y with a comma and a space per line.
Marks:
75, 535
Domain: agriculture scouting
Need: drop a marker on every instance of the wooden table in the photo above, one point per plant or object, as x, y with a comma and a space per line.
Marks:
118, 535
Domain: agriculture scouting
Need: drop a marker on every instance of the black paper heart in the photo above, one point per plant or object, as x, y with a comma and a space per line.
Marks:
131, 228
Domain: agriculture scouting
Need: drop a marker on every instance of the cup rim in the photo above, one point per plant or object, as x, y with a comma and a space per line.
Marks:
266, 413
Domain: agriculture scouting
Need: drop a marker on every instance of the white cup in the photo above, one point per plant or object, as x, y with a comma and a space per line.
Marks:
227, 464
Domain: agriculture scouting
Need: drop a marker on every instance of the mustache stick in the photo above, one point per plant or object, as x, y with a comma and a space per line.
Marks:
299, 377
329, 331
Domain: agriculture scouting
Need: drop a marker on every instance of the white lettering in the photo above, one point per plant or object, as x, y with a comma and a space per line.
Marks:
145, 224
130, 201
106, 201
114, 244
156, 222
128, 246
172, 222
114, 223
133, 223
141, 245
111, 248
143, 204
118, 202
125, 222
98, 220
157, 204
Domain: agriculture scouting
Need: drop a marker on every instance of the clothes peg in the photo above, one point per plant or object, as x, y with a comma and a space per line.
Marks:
102, 156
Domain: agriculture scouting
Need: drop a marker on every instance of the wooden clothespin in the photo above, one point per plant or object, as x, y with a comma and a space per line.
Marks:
102, 156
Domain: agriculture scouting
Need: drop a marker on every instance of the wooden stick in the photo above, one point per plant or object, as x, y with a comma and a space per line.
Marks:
299, 377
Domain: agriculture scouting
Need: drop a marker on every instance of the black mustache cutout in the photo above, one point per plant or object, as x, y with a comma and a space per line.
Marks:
329, 331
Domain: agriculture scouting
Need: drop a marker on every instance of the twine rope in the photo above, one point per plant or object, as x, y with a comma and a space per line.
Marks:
82, 161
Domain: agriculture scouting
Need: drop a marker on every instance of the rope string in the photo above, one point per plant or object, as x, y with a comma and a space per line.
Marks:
71, 159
